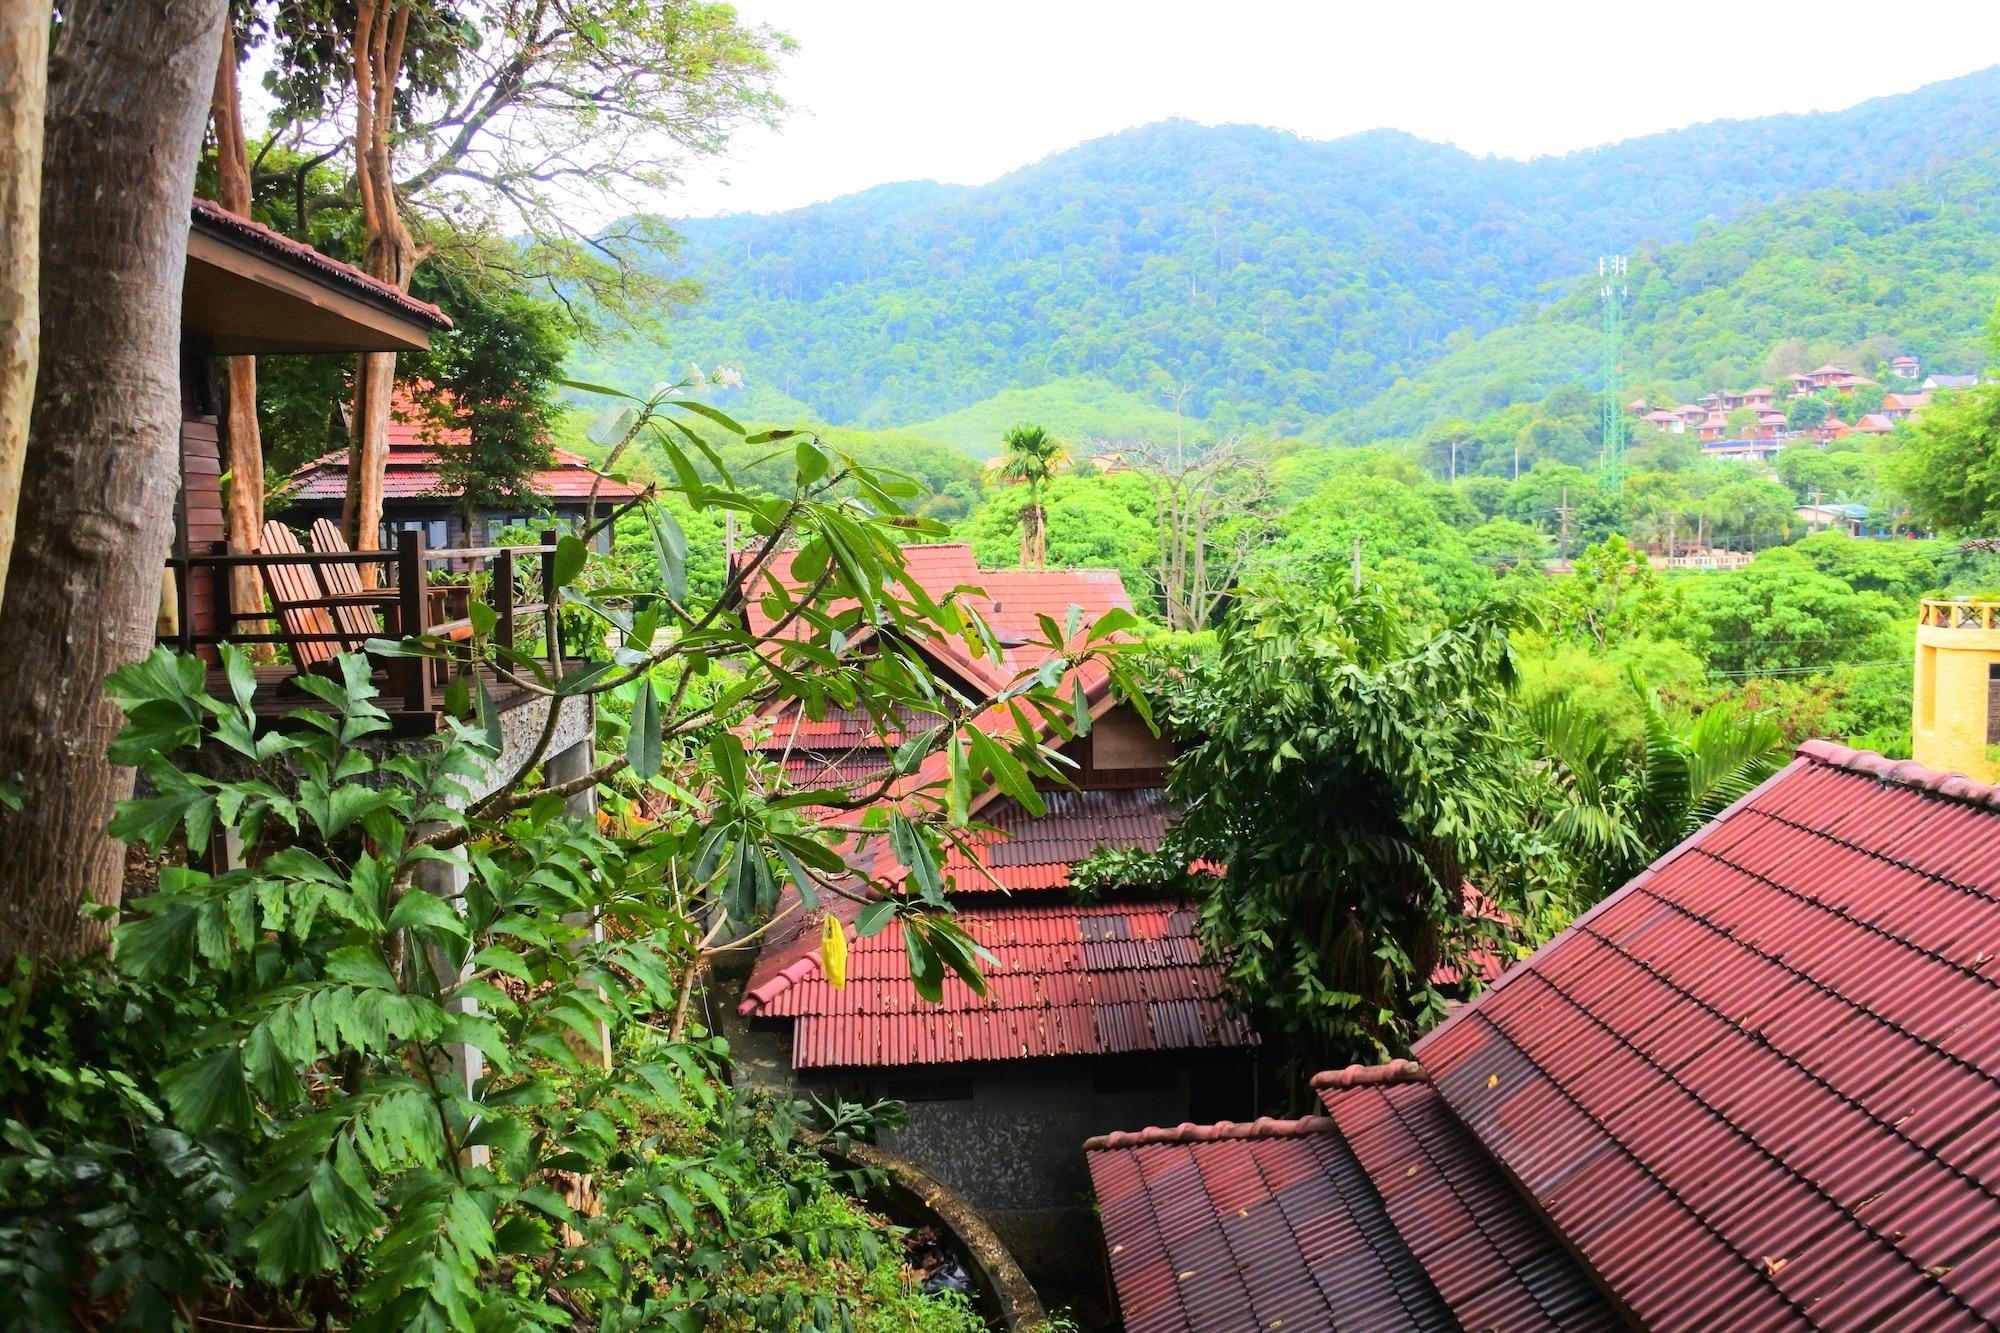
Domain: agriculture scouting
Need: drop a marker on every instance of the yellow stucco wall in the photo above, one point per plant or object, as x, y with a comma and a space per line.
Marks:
1948, 703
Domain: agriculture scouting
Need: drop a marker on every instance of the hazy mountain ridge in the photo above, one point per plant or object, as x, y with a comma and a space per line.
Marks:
1286, 280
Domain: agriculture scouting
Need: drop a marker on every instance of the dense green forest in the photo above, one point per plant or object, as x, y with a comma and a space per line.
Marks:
1284, 280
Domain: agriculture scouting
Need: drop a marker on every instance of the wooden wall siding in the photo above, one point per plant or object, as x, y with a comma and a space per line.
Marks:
1120, 751
201, 525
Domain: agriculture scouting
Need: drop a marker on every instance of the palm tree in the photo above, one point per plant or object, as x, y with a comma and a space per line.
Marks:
1620, 815
1033, 456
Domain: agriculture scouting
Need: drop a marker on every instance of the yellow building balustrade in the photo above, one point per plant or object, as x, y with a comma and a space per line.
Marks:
1954, 722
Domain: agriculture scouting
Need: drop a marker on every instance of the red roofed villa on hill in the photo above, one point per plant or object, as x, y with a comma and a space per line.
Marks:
1758, 1087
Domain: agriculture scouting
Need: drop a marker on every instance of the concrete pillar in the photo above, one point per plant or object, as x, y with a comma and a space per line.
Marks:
567, 766
468, 1066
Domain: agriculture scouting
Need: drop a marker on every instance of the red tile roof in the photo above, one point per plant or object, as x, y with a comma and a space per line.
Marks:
1095, 979
1025, 852
1757, 1087
412, 471
1011, 600
213, 217
1380, 1213
1760, 1084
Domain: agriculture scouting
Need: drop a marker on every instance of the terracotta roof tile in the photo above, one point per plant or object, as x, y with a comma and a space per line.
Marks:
1761, 1083
1433, 1235
1104, 978
1023, 851
412, 471
1757, 1087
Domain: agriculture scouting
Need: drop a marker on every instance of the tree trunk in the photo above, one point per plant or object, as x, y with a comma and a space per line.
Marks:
129, 84
24, 60
379, 30
244, 515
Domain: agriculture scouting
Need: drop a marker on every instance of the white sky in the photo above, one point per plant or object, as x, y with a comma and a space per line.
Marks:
952, 90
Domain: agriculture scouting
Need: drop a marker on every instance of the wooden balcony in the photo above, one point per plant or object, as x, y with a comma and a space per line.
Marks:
321, 603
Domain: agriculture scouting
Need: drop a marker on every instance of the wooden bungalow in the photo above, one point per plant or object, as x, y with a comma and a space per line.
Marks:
251, 291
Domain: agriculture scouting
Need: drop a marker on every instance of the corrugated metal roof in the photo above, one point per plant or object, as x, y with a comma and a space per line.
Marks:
1382, 1213
1096, 979
1759, 1086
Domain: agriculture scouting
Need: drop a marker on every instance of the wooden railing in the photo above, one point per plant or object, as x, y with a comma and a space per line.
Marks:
1966, 613
520, 587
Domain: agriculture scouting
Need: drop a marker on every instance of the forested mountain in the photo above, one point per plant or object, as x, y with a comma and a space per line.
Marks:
1916, 268
1283, 279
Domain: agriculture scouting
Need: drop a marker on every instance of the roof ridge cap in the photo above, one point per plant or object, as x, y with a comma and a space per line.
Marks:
755, 998
1263, 1127
1901, 772
1362, 1076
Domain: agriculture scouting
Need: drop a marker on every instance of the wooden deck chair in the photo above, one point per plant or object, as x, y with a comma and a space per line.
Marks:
357, 622
299, 599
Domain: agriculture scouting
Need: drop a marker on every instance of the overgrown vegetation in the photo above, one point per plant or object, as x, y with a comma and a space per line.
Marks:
424, 1059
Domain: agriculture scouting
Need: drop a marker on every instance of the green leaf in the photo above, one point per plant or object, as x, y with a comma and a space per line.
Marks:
571, 555
585, 386
1111, 622
292, 1241
926, 974
483, 618
870, 921
913, 848
489, 717
209, 1093
722, 419
421, 910
811, 461
644, 742
158, 945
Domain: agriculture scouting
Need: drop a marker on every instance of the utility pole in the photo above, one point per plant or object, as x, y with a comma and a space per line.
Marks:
1562, 544
1612, 269
1175, 395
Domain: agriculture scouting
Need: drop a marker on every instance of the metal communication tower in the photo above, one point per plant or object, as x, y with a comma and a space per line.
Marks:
1611, 295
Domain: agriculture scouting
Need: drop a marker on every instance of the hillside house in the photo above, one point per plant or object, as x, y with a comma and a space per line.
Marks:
1874, 423
1851, 519
416, 497
1756, 1087
1933, 382
1097, 1011
1904, 406
1670, 422
1904, 367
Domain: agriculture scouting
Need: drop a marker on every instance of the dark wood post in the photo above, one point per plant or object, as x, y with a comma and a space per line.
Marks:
413, 596
503, 600
552, 597
184, 603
